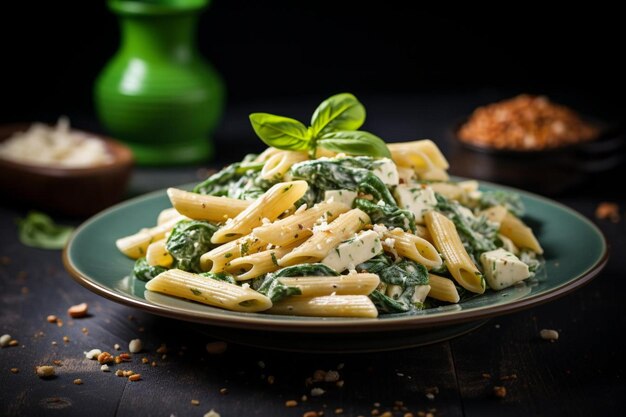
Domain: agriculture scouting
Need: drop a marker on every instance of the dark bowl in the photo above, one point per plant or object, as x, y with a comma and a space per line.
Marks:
549, 171
69, 191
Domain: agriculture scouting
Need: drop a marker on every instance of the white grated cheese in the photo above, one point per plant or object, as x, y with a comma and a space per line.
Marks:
301, 209
245, 285
389, 242
265, 220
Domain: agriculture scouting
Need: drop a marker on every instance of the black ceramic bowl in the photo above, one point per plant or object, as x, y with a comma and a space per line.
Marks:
548, 171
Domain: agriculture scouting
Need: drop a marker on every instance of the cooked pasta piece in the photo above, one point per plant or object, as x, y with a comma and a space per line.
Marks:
443, 289
448, 190
284, 231
167, 214
351, 284
327, 306
157, 254
269, 206
413, 247
257, 264
459, 264
327, 238
519, 233
216, 259
423, 156
206, 207
495, 214
279, 163
267, 154
208, 291
135, 246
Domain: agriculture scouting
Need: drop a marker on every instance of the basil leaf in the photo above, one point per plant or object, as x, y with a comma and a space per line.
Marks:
39, 231
339, 112
281, 132
354, 143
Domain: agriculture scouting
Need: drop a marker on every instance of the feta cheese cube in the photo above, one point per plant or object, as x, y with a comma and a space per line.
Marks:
354, 251
503, 269
341, 196
416, 199
386, 170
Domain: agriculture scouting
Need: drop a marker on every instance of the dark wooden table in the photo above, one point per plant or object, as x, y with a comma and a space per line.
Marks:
581, 374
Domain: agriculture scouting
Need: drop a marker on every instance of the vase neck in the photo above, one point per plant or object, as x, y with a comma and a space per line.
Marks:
158, 37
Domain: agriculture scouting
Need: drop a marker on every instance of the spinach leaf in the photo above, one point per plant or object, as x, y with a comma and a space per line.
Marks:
39, 231
271, 287
219, 184
145, 272
281, 132
188, 241
354, 143
390, 216
477, 234
339, 112
342, 173
220, 276
406, 273
511, 201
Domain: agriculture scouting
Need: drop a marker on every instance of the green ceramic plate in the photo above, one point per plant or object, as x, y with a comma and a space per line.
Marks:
575, 252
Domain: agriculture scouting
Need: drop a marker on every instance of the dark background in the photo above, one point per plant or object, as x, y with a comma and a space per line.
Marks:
52, 52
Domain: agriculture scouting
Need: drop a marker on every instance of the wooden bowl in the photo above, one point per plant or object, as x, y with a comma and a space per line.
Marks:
549, 171
69, 191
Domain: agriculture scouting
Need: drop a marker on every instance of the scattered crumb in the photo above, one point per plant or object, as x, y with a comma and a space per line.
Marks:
119, 372
45, 371
162, 348
497, 326
5, 339
85, 330
105, 368
14, 343
145, 360
57, 362
375, 412
105, 357
606, 210
291, 403
216, 348
304, 398
271, 379
52, 318
338, 410
15, 370
117, 346
153, 364
486, 375
408, 415
223, 391
195, 402
316, 392
430, 396
59, 322
340, 383
507, 377
135, 346
261, 364
499, 391
78, 381
331, 376
134, 377
66, 339
212, 413
308, 414
78, 311
386, 414
549, 334
127, 372
53, 343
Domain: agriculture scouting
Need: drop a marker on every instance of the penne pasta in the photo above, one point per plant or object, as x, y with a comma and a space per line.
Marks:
279, 163
351, 284
443, 289
327, 306
217, 259
414, 247
157, 254
257, 264
285, 231
208, 291
447, 241
167, 214
269, 206
495, 214
321, 243
135, 246
519, 233
422, 156
206, 207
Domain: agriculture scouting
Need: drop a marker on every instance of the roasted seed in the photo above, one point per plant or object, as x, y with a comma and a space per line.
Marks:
134, 377
15, 370
105, 357
52, 318
216, 348
291, 403
499, 391
78, 381
78, 311
45, 371
195, 402
549, 334
135, 346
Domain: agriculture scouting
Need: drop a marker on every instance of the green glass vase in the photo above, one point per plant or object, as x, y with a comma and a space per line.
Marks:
157, 94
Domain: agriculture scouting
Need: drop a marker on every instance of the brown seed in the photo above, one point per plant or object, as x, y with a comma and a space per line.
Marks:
59, 323
223, 391
195, 402
134, 377
162, 348
117, 360
105, 357
125, 357
310, 414
499, 391
119, 372
271, 379
291, 403
386, 414
319, 375
145, 360
14, 343
45, 371
375, 412
66, 339
408, 415
15, 370
216, 348
57, 362
338, 410
78, 381
128, 372
153, 364
52, 318
84, 330
78, 311
340, 383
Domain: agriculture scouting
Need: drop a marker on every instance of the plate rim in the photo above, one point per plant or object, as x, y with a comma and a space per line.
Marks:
339, 325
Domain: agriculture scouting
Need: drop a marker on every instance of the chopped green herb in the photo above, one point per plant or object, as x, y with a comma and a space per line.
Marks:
195, 291
39, 231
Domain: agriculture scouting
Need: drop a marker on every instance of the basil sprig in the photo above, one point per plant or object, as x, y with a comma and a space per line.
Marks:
333, 127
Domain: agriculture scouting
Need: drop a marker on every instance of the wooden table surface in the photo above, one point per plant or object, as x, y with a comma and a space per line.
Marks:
581, 374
